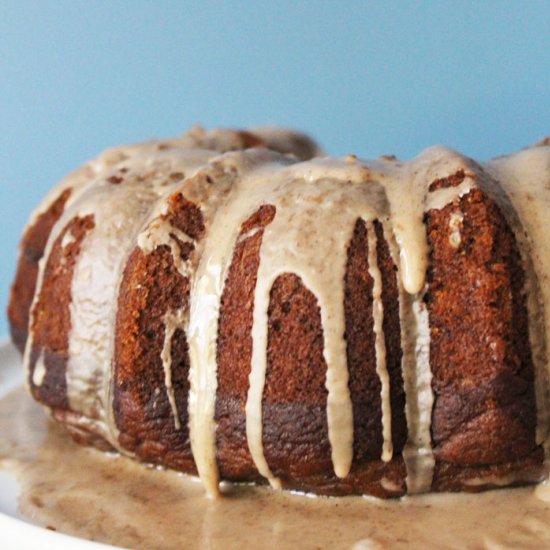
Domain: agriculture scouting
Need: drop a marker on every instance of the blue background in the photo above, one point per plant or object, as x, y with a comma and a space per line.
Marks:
363, 77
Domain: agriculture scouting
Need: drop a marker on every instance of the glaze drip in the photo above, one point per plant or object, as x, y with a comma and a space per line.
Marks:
172, 321
380, 343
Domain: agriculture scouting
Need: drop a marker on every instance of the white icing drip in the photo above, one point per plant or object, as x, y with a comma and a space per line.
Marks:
406, 185
416, 479
302, 249
380, 343
442, 197
202, 377
172, 321
68, 239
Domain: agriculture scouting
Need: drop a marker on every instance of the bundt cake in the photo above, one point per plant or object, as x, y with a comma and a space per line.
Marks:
334, 326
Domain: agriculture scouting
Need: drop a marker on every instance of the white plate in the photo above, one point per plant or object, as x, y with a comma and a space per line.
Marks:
16, 532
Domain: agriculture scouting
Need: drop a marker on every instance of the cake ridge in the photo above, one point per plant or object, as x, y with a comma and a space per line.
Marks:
523, 179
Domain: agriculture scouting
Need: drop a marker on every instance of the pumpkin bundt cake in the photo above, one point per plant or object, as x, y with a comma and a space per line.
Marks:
220, 305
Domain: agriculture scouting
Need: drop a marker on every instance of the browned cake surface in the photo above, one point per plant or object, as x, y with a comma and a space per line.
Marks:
484, 414
32, 249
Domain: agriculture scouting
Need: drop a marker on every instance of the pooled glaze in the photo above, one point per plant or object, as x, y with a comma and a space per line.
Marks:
111, 499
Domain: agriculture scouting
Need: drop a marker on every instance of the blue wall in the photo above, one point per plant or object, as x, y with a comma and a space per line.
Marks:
364, 77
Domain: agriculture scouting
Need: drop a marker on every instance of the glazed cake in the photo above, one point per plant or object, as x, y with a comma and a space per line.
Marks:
334, 326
